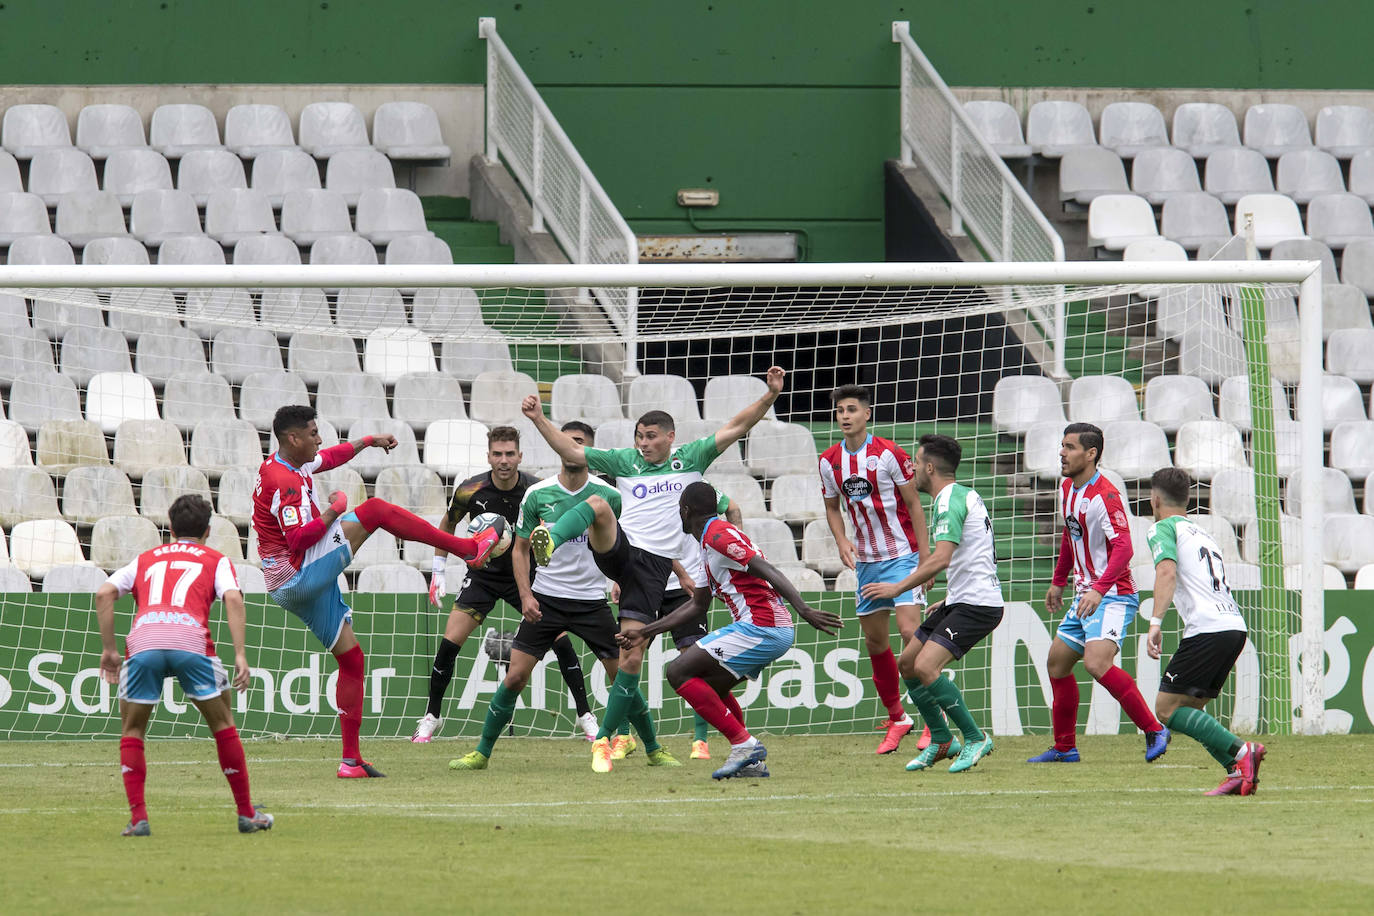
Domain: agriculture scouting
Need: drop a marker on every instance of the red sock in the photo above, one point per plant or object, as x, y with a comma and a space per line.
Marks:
732, 704
349, 695
885, 679
135, 770
234, 767
710, 707
1120, 685
1064, 712
377, 513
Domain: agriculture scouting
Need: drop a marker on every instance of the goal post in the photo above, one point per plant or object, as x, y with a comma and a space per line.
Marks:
439, 354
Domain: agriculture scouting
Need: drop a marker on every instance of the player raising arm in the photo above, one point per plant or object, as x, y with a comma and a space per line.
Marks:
568, 596
174, 586
972, 607
1189, 574
498, 490
305, 549
760, 632
1096, 546
871, 478
646, 539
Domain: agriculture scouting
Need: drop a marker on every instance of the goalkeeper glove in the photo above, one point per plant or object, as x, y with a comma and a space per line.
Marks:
438, 587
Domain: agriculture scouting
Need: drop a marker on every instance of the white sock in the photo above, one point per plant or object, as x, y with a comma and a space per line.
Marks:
906, 719
748, 742
1244, 749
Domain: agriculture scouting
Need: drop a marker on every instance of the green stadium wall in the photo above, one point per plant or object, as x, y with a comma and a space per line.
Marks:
787, 107
50, 684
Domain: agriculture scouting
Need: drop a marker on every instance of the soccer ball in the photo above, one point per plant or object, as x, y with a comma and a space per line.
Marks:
480, 523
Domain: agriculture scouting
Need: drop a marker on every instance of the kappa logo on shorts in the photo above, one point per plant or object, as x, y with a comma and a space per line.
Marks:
718, 652
1112, 633
338, 538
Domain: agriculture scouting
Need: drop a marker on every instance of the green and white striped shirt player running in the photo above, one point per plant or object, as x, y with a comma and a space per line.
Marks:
571, 572
1202, 595
962, 518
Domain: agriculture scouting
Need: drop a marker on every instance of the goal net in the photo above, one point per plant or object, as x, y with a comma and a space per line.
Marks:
122, 397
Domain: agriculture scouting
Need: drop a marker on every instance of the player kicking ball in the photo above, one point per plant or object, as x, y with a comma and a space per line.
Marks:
1189, 574
972, 607
173, 587
1096, 545
304, 550
568, 595
754, 591
871, 477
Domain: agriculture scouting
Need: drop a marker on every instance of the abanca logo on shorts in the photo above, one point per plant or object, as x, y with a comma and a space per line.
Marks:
640, 491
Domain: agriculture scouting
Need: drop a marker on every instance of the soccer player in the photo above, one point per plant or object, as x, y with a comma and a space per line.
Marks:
499, 490
568, 596
647, 540
971, 609
174, 586
760, 632
873, 475
1096, 545
1189, 574
304, 550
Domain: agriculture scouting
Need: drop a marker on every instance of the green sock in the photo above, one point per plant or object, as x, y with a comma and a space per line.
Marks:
624, 728
952, 702
621, 696
930, 711
698, 728
1208, 732
643, 721
498, 717
572, 523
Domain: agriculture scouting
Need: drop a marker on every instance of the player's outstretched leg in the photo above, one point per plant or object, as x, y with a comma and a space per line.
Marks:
572, 524
378, 513
1241, 759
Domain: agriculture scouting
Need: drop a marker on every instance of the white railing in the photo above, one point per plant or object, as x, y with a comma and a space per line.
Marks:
564, 194
984, 197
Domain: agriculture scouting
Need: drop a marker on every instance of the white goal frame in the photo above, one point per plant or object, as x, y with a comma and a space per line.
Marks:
1305, 274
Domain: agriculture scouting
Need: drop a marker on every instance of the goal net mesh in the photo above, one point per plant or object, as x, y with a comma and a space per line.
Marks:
119, 400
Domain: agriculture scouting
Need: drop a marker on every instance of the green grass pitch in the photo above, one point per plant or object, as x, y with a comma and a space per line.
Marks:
836, 829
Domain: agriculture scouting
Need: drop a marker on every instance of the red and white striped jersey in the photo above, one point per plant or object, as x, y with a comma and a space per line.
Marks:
174, 586
726, 552
283, 502
866, 483
1096, 539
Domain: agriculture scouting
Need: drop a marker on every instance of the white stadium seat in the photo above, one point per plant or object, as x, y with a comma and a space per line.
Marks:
251, 130
328, 128
1000, 125
1348, 541
496, 396
236, 353
592, 398
420, 398
1021, 401
773, 538
176, 130
1339, 219
1338, 496
14, 445
362, 310
797, 498
1234, 402
1307, 250
116, 540
191, 397
743, 490
1275, 219
1352, 448
1233, 495
130, 308
1291, 542
30, 129
1351, 353
1212, 352
456, 448
1116, 220
380, 548
447, 311
234, 494
113, 398
390, 353
1130, 128
1089, 172
1344, 307
1040, 450
131, 171
203, 172
819, 549
157, 216
1341, 401
105, 129
116, 249
23, 351
408, 131
1230, 174
414, 487
234, 214
40, 250
1172, 400
351, 172
1202, 128
278, 171
61, 170
251, 579
42, 396
217, 445
37, 546
162, 485
392, 579
1055, 127
371, 461
312, 356
70, 311
1161, 173
159, 355
1204, 447
346, 399
1304, 174
1361, 178
1134, 448
1221, 531
64, 445
1194, 219
141, 445
74, 578
20, 215
1275, 129
287, 309
1102, 399
776, 448
727, 395
310, 215
1345, 131
25, 494
465, 359
95, 216
385, 214
671, 393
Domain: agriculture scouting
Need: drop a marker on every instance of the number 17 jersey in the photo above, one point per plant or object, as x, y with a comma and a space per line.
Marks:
1202, 596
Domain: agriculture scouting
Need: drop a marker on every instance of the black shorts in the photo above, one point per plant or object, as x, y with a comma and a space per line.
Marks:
480, 593
687, 634
642, 577
959, 627
1200, 665
590, 621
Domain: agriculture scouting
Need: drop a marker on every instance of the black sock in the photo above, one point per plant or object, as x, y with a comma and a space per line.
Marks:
571, 666
441, 674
